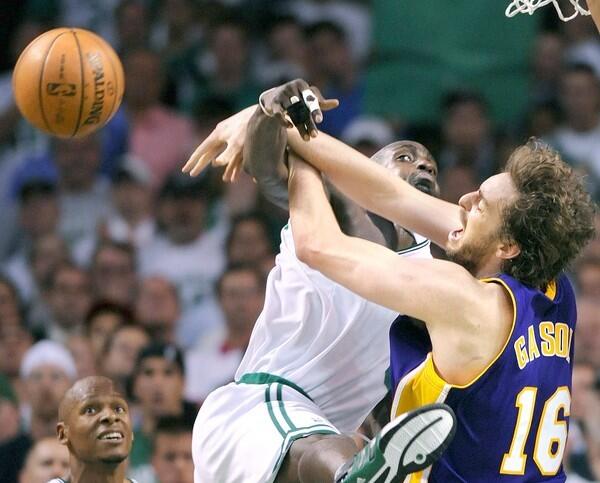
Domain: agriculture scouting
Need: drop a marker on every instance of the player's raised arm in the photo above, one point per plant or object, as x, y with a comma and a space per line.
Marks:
431, 290
374, 188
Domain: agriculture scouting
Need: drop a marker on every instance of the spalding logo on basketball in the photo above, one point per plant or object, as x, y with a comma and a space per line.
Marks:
68, 82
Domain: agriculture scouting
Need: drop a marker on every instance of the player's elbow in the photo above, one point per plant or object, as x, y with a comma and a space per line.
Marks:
310, 249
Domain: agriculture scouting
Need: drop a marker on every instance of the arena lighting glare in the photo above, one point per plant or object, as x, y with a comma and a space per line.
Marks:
529, 6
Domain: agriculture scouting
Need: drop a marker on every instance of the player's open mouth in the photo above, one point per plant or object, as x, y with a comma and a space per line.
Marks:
425, 185
456, 234
111, 436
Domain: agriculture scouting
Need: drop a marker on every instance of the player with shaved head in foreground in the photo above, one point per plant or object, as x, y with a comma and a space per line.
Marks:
94, 424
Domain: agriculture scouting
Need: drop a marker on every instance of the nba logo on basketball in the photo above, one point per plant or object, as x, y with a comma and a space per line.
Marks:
61, 89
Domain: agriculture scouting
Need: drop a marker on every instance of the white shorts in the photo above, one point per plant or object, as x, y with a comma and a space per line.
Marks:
244, 430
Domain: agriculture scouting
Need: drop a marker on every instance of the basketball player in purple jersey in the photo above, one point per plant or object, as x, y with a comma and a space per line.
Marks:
499, 320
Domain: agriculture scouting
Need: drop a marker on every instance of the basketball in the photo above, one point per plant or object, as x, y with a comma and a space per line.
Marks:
68, 82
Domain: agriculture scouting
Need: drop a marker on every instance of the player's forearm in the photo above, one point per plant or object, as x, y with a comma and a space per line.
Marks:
264, 151
594, 6
374, 188
314, 225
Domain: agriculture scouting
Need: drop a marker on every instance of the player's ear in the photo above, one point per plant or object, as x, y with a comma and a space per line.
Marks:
508, 249
62, 433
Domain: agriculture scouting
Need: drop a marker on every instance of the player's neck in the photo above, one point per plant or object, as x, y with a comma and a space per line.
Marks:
488, 268
97, 472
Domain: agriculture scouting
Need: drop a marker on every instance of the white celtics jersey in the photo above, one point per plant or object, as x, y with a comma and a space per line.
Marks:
323, 337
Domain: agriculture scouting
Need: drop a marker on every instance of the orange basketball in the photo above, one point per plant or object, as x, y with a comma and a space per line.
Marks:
68, 82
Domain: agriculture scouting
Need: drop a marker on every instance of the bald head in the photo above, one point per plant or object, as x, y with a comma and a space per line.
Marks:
84, 389
412, 162
94, 423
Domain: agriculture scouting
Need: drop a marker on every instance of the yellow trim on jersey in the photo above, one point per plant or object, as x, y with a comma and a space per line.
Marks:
551, 290
420, 386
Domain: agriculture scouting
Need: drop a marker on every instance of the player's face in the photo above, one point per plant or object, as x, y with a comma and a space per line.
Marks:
49, 459
99, 429
412, 162
477, 241
172, 459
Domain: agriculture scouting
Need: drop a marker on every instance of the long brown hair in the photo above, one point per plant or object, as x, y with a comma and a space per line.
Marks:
552, 218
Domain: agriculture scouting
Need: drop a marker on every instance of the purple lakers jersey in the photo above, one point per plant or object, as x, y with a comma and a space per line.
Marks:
513, 417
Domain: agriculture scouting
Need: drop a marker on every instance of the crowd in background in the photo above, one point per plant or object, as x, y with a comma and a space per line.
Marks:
113, 263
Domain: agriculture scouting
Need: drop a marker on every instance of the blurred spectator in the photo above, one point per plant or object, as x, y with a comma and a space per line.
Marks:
456, 181
10, 303
179, 28
120, 353
113, 272
542, 120
581, 39
131, 220
467, 135
241, 292
368, 134
578, 138
132, 22
83, 194
172, 451
547, 61
47, 254
158, 388
150, 120
38, 217
101, 321
47, 370
332, 69
80, 347
588, 277
15, 341
16, 134
47, 459
593, 248
584, 404
587, 340
9, 411
157, 308
285, 52
226, 65
69, 299
353, 17
208, 113
248, 240
187, 254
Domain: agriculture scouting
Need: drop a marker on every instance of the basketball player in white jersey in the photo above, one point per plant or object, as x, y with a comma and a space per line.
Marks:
316, 361
94, 424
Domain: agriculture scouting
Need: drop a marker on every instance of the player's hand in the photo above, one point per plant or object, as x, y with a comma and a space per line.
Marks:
223, 147
297, 96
